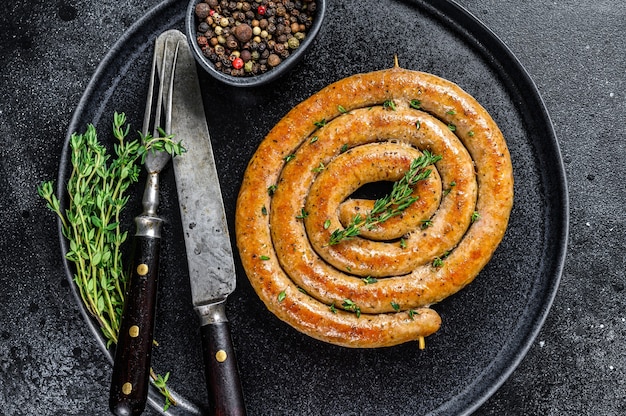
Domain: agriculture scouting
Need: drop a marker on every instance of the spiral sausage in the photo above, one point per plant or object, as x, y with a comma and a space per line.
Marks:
373, 290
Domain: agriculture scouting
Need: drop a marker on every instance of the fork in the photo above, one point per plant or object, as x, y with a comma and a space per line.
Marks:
131, 366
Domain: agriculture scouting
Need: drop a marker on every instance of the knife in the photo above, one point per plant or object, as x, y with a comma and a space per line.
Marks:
207, 242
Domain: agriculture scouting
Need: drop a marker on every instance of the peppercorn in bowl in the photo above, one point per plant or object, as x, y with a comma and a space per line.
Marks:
251, 42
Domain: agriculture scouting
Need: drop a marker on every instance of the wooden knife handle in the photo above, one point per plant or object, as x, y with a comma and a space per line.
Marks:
222, 374
131, 367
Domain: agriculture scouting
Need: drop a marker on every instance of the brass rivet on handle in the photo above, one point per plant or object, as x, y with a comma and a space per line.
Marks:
133, 331
127, 388
142, 269
221, 356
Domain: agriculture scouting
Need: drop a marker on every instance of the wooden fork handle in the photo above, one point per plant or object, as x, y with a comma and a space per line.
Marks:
131, 367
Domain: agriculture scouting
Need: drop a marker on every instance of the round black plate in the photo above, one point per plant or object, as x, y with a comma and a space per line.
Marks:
487, 327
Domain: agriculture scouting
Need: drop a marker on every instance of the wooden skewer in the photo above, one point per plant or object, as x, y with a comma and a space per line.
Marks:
422, 343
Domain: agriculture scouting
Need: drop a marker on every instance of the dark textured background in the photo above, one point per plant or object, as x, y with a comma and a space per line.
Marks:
49, 362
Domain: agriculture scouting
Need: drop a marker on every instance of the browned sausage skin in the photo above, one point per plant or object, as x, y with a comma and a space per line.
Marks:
295, 193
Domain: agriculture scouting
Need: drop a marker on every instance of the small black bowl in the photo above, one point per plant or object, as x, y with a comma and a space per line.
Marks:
251, 80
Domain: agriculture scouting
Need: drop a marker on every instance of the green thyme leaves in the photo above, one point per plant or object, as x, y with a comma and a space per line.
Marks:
437, 262
319, 168
369, 280
449, 188
392, 204
389, 105
98, 190
350, 306
320, 123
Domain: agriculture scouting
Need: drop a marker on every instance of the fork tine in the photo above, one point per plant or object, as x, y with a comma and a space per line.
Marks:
148, 108
168, 106
159, 106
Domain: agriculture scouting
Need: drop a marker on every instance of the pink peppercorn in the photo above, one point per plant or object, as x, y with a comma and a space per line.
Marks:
237, 63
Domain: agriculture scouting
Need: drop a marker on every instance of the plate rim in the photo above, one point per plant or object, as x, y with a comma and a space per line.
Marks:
508, 64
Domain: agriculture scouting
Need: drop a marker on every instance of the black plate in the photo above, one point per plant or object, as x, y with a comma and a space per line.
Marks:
487, 328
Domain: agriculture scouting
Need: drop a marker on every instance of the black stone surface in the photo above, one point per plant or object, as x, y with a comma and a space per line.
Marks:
49, 362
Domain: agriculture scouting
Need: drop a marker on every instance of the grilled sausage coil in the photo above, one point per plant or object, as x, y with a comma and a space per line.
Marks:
376, 289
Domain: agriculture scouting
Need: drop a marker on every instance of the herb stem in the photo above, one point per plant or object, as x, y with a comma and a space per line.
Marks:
391, 205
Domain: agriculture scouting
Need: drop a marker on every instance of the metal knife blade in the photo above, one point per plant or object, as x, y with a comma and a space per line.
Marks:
209, 252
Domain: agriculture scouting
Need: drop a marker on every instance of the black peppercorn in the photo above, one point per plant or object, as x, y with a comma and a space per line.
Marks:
246, 55
231, 42
202, 10
203, 27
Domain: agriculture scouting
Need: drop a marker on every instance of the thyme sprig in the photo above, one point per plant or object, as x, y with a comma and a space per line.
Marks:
390, 205
97, 190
